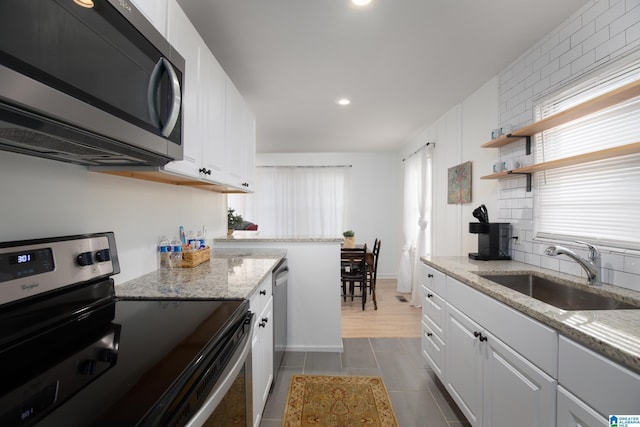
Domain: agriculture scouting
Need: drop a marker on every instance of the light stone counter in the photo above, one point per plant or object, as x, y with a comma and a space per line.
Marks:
613, 333
230, 274
253, 237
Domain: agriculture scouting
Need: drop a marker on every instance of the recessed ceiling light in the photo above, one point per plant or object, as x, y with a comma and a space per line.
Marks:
343, 101
361, 2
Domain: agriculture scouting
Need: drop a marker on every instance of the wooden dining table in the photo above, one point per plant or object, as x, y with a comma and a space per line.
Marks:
369, 261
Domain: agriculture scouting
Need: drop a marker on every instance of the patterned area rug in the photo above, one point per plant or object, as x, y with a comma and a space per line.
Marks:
332, 401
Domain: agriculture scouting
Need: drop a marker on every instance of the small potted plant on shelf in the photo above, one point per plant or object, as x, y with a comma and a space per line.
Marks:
349, 239
232, 220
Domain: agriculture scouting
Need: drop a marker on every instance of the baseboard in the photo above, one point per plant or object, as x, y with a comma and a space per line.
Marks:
308, 348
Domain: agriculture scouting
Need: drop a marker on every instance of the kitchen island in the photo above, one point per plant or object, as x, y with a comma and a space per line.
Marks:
314, 308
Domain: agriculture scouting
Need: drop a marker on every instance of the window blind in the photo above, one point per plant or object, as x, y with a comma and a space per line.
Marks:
597, 201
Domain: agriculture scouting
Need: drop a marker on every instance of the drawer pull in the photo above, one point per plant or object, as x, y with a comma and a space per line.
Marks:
265, 319
263, 292
429, 275
429, 334
429, 295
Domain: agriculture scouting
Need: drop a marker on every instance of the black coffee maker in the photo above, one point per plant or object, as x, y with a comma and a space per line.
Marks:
493, 237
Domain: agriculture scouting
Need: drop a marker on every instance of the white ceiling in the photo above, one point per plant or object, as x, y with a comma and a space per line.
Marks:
403, 63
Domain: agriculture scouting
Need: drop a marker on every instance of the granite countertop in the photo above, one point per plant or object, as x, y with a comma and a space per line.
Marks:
250, 237
230, 274
613, 333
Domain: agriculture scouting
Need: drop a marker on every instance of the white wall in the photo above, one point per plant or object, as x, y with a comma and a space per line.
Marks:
44, 198
375, 204
458, 136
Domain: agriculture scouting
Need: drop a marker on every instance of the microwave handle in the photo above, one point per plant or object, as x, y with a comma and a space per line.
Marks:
154, 81
174, 112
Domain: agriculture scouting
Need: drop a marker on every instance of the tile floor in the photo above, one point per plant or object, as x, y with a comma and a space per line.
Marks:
417, 396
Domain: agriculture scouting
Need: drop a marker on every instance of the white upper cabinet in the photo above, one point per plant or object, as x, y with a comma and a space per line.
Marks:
186, 40
155, 11
218, 126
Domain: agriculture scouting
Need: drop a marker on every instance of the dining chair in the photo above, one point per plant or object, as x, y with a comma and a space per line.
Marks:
353, 272
372, 271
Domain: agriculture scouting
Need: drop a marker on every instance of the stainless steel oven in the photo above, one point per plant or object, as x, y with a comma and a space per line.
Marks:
94, 85
73, 354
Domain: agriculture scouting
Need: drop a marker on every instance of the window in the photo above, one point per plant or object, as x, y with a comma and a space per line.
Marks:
598, 201
297, 200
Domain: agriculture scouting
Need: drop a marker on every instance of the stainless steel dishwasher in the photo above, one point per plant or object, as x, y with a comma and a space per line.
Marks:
280, 277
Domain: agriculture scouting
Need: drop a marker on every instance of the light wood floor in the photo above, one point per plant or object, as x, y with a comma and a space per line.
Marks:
392, 319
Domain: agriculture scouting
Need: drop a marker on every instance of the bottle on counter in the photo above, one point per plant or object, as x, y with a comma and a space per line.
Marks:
201, 240
176, 252
164, 252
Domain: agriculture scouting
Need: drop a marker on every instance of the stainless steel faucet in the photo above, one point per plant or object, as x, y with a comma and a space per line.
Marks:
591, 265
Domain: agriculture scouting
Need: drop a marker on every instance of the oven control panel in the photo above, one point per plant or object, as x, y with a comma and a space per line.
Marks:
31, 267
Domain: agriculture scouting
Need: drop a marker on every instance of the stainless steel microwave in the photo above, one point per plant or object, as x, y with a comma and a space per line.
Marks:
89, 82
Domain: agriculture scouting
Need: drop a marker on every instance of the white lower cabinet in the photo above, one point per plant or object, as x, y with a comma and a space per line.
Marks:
573, 412
492, 383
600, 387
261, 303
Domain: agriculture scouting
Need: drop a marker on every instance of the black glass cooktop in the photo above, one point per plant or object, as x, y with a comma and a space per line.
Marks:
124, 364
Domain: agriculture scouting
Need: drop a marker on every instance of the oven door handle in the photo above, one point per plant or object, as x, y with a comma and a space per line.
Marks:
228, 377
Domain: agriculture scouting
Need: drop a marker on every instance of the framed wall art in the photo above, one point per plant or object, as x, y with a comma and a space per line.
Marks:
459, 184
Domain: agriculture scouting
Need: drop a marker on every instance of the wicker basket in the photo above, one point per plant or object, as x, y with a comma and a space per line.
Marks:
194, 258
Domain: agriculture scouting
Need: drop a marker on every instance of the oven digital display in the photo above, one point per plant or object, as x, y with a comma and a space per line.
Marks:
16, 265
22, 258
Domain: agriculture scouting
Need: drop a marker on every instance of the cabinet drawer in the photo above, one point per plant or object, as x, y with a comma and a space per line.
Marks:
572, 412
433, 350
607, 387
433, 279
537, 342
433, 310
261, 296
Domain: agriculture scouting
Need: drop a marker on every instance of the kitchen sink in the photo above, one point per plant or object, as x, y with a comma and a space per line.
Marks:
558, 294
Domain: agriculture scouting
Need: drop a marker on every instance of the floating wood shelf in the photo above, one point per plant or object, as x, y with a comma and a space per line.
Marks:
594, 105
607, 153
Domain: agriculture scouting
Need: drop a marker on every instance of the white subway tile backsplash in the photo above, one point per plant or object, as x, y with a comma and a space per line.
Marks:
614, 12
624, 280
628, 19
584, 62
612, 261
550, 263
570, 56
590, 14
532, 259
561, 75
631, 264
612, 45
572, 26
596, 40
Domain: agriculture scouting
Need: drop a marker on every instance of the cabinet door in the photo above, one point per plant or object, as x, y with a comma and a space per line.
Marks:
233, 132
248, 147
573, 412
262, 360
184, 37
211, 115
155, 11
518, 390
464, 372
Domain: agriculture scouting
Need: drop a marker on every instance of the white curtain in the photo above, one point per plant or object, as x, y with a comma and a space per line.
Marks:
297, 200
417, 214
